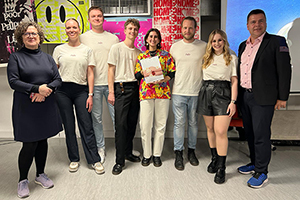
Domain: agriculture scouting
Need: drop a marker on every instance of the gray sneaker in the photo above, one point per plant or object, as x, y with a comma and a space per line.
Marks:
44, 181
23, 190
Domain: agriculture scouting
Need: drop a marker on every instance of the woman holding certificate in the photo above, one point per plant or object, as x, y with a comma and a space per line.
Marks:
154, 69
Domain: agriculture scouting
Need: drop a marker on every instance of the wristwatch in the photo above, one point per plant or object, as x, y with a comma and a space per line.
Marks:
91, 94
233, 101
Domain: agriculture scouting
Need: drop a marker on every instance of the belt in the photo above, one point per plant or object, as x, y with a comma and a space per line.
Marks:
126, 83
216, 83
248, 90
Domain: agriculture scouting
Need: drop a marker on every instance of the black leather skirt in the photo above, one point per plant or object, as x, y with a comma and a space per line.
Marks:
214, 98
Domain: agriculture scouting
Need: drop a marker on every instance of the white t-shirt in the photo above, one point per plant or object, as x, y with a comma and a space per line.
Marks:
124, 58
188, 60
73, 62
218, 70
100, 43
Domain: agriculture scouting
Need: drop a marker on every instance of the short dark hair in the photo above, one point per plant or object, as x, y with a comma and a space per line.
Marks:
133, 21
95, 8
22, 28
255, 12
191, 19
147, 35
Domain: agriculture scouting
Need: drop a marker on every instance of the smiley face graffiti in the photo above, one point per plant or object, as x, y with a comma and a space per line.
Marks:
52, 15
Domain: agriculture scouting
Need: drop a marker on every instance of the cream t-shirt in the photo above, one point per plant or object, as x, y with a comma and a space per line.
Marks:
124, 58
218, 70
73, 62
188, 60
100, 43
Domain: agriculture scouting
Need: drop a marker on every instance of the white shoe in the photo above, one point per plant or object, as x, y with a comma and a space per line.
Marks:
136, 153
99, 169
101, 153
73, 167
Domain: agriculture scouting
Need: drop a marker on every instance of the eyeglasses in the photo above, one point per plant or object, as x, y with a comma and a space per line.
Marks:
33, 34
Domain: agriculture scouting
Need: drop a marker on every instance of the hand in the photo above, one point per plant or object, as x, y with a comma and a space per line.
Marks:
280, 104
44, 90
37, 98
166, 79
231, 109
89, 103
111, 98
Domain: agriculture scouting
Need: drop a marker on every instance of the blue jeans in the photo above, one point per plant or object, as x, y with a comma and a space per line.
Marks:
184, 107
99, 92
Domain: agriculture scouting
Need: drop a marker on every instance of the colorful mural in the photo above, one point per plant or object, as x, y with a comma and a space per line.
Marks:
52, 14
12, 13
115, 25
167, 17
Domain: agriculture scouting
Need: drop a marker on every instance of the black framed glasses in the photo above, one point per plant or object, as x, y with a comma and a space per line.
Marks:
33, 34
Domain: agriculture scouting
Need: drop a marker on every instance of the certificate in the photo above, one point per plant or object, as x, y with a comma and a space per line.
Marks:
152, 69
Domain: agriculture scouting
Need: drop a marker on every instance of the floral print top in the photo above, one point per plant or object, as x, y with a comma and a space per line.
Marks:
156, 91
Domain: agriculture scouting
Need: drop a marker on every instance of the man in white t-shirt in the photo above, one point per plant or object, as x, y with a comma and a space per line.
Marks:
187, 54
100, 41
124, 94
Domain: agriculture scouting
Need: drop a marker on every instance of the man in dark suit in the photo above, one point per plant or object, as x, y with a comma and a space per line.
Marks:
264, 72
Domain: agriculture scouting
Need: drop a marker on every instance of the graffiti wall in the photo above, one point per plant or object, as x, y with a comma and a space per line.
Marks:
167, 17
52, 14
116, 26
12, 13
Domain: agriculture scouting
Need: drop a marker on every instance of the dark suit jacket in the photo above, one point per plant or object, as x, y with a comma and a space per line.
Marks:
271, 70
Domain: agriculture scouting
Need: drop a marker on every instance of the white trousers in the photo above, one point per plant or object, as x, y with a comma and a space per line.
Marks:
153, 114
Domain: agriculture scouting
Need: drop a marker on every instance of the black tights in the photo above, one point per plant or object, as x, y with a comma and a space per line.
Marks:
29, 150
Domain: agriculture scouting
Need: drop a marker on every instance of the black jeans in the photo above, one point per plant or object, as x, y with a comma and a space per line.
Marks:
127, 108
69, 95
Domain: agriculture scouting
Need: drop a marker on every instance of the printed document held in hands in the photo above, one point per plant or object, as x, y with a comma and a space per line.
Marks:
152, 69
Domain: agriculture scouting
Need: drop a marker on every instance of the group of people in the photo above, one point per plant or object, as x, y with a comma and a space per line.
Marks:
208, 80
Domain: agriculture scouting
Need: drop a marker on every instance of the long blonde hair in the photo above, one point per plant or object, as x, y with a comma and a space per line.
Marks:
208, 56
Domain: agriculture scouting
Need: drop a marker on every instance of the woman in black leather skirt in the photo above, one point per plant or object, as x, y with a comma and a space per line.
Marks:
217, 98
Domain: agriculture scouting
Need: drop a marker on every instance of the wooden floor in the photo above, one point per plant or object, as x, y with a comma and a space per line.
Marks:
150, 183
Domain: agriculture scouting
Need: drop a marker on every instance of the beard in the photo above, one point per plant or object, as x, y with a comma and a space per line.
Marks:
190, 37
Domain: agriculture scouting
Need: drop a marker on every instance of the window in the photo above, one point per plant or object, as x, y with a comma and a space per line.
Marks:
123, 7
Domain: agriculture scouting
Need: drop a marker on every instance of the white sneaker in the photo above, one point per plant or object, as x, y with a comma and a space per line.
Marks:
101, 153
99, 169
73, 167
136, 153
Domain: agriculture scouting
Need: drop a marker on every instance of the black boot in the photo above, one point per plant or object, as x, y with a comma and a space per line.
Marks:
192, 157
220, 175
212, 167
179, 160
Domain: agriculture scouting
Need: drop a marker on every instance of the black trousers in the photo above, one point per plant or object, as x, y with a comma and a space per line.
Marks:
127, 108
257, 121
69, 95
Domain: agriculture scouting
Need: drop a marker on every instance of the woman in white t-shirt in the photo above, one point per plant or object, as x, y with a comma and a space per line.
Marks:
76, 63
217, 98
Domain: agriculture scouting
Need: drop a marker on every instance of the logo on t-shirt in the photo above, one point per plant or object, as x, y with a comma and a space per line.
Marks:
187, 54
99, 42
73, 55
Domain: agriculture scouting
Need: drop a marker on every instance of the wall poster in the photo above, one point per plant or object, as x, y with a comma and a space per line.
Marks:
12, 13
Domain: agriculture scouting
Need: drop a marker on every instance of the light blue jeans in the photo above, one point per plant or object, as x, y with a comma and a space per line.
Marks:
184, 107
99, 92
